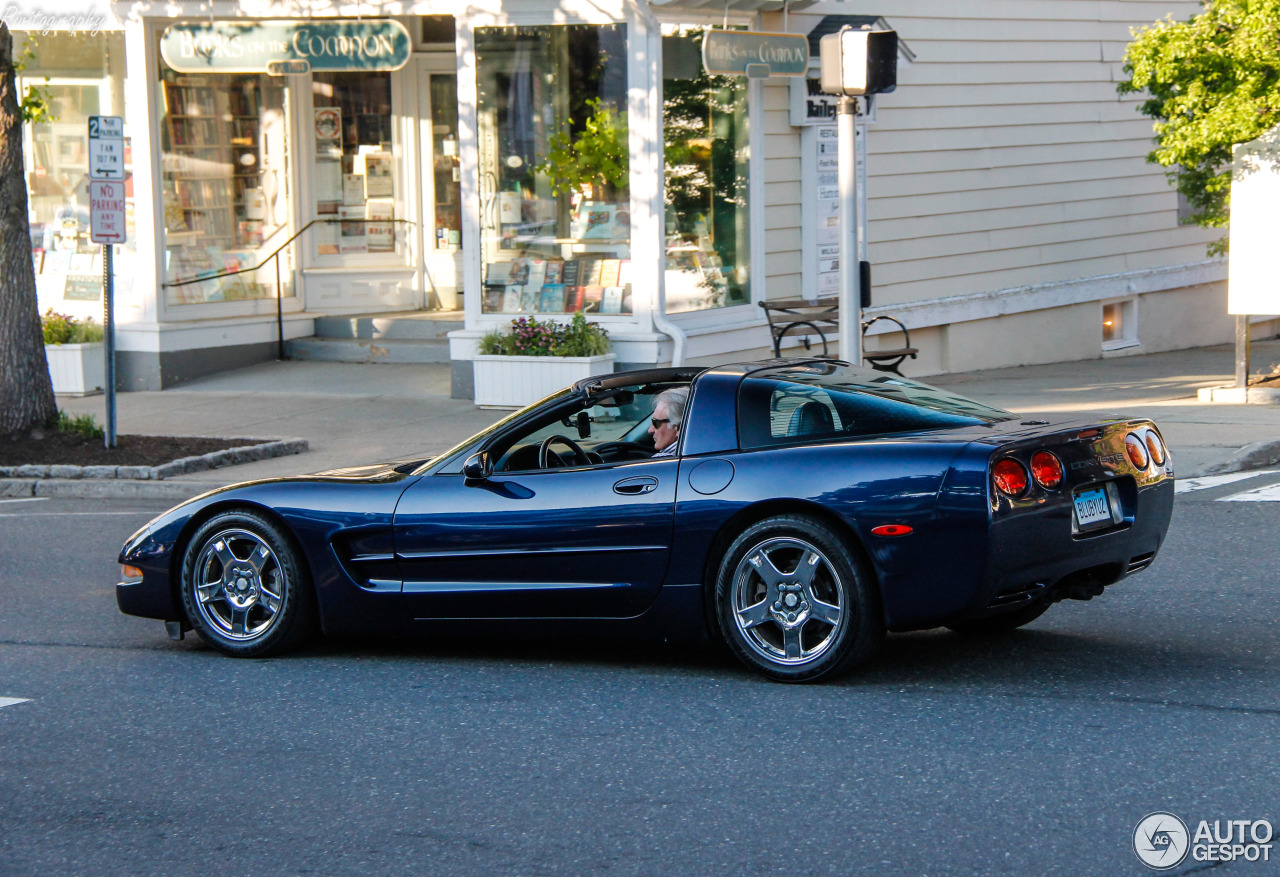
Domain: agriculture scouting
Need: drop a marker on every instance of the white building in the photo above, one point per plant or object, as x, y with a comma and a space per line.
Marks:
1012, 217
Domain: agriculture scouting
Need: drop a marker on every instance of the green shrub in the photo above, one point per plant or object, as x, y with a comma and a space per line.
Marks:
79, 424
62, 329
86, 332
528, 337
581, 338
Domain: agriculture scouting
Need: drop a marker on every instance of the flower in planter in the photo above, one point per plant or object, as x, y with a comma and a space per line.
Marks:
62, 329
528, 337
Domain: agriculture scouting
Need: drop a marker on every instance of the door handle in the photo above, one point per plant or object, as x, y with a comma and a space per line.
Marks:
636, 486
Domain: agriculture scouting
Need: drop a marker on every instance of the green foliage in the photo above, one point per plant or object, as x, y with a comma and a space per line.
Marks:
1213, 81
35, 103
79, 424
62, 329
581, 338
597, 157
528, 337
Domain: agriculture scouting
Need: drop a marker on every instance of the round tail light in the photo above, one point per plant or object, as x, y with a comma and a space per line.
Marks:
1156, 447
1010, 477
1046, 469
1136, 450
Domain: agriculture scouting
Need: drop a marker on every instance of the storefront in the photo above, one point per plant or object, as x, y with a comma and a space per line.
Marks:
503, 164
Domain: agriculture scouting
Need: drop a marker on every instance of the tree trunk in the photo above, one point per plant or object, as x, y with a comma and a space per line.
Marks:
27, 404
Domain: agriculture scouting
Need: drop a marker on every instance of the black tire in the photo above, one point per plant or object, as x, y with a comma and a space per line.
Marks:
245, 587
818, 625
1002, 623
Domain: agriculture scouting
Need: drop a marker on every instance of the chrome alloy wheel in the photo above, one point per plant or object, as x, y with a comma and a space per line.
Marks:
240, 585
788, 601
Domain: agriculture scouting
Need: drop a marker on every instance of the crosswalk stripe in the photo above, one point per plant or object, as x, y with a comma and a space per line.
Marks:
1270, 493
10, 701
1208, 481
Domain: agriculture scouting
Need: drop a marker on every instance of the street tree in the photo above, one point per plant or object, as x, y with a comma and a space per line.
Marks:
1212, 81
27, 404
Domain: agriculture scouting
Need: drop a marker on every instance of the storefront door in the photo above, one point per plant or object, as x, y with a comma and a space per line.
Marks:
441, 191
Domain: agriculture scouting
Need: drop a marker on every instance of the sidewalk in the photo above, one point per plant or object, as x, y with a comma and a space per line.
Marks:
354, 413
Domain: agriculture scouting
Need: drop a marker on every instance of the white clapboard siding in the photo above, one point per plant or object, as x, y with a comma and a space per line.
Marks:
1004, 159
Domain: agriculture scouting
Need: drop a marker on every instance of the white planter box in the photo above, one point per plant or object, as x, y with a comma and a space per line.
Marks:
76, 369
516, 381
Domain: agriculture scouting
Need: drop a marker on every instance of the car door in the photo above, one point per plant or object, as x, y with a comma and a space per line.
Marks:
592, 541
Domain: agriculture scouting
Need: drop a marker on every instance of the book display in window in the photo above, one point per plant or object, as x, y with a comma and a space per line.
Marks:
220, 175
597, 284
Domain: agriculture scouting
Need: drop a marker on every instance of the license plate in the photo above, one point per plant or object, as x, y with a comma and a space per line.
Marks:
1092, 507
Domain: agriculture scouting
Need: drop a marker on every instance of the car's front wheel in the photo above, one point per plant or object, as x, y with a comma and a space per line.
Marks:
244, 586
793, 603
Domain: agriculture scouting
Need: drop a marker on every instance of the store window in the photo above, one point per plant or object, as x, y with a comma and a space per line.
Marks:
706, 181
224, 179
354, 165
77, 75
445, 172
555, 211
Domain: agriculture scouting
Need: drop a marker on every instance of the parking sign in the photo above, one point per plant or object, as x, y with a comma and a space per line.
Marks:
106, 212
106, 147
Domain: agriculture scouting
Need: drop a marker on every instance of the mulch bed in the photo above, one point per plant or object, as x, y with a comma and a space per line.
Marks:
62, 448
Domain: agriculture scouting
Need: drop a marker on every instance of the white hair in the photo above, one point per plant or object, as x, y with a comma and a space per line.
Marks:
676, 399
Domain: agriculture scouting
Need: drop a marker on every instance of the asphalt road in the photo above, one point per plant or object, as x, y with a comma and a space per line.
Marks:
1036, 753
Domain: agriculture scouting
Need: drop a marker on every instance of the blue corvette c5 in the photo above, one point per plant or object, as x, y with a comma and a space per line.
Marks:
812, 506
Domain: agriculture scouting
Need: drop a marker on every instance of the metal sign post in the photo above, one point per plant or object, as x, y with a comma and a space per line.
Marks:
107, 227
850, 281
109, 337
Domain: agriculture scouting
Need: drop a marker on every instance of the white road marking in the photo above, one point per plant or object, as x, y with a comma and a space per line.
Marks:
1270, 493
1217, 480
73, 514
10, 701
29, 499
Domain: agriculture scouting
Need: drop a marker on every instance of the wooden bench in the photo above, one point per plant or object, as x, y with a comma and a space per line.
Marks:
803, 319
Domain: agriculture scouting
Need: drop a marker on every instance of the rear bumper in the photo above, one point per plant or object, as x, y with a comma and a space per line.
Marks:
1034, 555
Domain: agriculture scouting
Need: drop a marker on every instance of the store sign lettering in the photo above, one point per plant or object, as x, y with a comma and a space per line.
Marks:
249, 47
740, 52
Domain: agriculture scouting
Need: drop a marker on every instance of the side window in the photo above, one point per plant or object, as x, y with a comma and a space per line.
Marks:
801, 412
774, 412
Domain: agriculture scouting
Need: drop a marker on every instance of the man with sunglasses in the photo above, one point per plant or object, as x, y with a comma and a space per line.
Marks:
668, 415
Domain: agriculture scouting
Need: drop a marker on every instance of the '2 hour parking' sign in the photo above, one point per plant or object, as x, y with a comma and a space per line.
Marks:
106, 147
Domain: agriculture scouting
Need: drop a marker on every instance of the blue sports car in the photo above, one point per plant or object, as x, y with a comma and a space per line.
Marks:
803, 508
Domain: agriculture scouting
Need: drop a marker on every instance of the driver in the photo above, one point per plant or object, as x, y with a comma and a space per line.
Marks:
668, 417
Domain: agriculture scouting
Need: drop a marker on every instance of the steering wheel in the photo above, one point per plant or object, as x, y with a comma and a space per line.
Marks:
545, 454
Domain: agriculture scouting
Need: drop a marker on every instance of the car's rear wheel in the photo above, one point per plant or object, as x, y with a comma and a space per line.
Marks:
245, 588
793, 603
1002, 623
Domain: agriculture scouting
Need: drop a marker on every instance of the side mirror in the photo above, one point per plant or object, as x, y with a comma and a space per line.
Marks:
584, 425
477, 467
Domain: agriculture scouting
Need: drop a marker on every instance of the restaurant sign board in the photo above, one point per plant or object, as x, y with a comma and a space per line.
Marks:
755, 54
259, 46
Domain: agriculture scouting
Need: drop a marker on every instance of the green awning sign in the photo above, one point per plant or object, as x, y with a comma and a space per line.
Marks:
250, 46
755, 54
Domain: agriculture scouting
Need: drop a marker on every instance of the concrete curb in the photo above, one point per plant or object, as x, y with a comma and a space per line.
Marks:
107, 488
183, 466
1258, 455
1239, 395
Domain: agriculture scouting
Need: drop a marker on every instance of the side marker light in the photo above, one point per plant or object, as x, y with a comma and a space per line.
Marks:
892, 530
